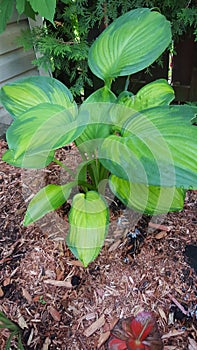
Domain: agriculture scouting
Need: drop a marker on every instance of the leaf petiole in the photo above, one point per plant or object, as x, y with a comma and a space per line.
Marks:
55, 160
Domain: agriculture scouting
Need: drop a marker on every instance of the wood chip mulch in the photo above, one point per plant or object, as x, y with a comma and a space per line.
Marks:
146, 264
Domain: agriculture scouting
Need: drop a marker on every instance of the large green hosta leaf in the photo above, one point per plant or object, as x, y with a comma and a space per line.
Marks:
19, 96
40, 130
89, 219
152, 200
103, 94
154, 94
47, 199
131, 43
158, 147
116, 156
25, 160
97, 107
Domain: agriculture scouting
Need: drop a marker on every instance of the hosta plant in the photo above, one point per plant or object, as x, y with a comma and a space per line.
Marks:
140, 145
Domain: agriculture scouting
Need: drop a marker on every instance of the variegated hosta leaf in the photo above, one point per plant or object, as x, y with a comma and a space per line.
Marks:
152, 200
167, 132
89, 219
120, 113
19, 96
158, 147
103, 94
154, 94
35, 133
118, 157
47, 199
32, 161
99, 125
131, 43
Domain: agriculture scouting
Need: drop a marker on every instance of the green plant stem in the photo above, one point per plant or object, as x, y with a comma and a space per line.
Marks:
97, 171
103, 172
20, 345
92, 171
127, 83
85, 184
108, 83
64, 166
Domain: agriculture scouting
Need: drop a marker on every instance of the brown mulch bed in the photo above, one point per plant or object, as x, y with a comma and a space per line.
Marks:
61, 305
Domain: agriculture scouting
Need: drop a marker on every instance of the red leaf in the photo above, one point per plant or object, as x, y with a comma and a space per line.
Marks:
116, 344
136, 333
142, 325
136, 328
135, 345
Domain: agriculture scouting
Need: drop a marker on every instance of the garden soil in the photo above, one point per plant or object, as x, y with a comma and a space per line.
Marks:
147, 263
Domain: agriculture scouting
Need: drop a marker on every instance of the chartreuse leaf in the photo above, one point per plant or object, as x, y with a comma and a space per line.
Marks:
45, 8
103, 94
131, 43
6, 9
25, 160
158, 147
172, 139
40, 130
97, 106
47, 199
19, 96
118, 157
156, 93
120, 113
152, 200
89, 220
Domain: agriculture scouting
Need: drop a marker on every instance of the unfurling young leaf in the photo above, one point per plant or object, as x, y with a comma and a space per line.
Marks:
89, 219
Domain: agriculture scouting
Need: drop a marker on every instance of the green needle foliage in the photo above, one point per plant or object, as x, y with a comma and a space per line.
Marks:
141, 145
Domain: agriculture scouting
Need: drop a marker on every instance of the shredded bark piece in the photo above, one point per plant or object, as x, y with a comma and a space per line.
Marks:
94, 326
59, 283
159, 226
